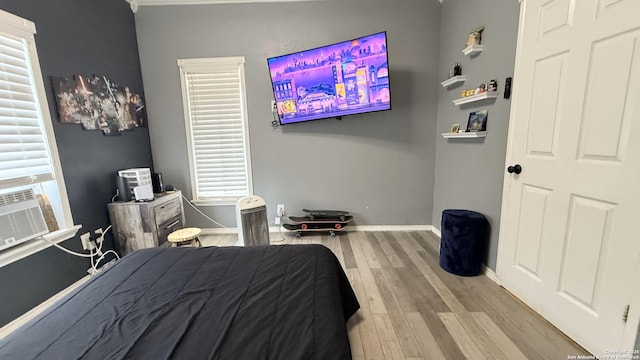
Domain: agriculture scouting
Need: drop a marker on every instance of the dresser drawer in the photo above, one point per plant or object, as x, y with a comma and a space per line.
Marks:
166, 211
167, 228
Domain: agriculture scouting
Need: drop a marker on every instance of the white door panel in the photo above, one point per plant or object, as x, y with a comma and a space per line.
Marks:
568, 240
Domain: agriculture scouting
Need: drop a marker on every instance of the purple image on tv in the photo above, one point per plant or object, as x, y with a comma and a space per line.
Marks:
346, 78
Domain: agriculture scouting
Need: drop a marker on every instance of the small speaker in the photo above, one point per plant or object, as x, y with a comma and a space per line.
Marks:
124, 192
158, 185
169, 187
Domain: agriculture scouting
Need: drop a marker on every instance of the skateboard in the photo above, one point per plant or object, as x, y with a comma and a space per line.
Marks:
326, 214
302, 224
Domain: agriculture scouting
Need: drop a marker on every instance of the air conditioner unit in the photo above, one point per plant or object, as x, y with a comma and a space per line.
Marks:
251, 218
21, 218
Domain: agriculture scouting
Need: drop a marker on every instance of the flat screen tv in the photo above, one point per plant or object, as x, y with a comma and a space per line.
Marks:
346, 78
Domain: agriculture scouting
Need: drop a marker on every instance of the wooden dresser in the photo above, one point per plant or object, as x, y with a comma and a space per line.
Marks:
139, 225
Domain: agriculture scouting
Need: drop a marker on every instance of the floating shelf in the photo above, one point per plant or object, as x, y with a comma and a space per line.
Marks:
454, 80
472, 50
465, 135
478, 97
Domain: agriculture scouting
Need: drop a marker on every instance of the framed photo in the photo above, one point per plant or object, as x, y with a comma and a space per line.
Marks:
477, 121
455, 128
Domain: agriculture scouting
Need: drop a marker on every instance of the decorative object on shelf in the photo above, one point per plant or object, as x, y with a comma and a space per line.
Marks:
477, 121
480, 89
455, 128
98, 104
493, 85
468, 92
475, 37
457, 70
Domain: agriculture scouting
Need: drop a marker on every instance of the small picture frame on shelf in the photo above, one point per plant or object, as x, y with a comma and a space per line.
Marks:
475, 37
455, 128
477, 121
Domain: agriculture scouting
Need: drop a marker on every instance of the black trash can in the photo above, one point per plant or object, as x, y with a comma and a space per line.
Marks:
464, 238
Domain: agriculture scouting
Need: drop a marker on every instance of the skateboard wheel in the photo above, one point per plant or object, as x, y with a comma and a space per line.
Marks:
338, 226
304, 226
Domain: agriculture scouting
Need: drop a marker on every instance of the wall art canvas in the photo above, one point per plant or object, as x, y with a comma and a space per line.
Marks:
98, 104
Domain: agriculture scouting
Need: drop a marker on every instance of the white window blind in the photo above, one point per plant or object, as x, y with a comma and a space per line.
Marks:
216, 124
24, 156
29, 159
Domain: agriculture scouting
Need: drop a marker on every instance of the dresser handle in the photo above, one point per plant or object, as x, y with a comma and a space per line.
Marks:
172, 224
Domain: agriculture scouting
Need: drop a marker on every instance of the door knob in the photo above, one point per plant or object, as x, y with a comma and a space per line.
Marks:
515, 169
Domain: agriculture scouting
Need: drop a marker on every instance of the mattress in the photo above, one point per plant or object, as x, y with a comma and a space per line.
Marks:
262, 302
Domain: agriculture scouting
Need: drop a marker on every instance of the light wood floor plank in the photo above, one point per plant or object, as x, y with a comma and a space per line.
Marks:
371, 345
333, 244
388, 338
396, 315
388, 250
507, 346
368, 252
347, 252
427, 343
373, 295
357, 350
524, 327
464, 341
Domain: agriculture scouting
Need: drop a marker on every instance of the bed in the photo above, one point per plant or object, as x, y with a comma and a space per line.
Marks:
262, 302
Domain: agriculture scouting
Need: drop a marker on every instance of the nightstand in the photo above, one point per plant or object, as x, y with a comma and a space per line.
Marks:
139, 225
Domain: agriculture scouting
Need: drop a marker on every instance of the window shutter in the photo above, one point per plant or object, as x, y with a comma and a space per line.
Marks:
217, 123
24, 156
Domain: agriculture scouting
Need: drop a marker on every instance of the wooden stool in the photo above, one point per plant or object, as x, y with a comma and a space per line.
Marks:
185, 237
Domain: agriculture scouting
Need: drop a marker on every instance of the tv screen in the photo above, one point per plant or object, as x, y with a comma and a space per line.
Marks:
350, 77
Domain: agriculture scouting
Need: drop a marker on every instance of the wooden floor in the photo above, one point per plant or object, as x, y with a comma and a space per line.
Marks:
412, 309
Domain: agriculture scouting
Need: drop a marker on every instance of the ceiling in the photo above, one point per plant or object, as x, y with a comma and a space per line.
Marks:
136, 3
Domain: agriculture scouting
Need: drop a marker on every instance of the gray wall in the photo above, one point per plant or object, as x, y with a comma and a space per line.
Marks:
469, 173
378, 166
77, 37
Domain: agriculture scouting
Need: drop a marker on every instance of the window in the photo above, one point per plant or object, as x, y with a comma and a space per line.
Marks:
28, 152
213, 94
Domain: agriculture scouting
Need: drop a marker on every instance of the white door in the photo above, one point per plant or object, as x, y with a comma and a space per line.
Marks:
569, 239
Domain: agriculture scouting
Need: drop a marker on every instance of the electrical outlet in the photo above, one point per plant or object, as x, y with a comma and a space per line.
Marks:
86, 241
273, 105
277, 221
280, 210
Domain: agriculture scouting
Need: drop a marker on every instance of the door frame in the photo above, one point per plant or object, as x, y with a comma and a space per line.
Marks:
632, 327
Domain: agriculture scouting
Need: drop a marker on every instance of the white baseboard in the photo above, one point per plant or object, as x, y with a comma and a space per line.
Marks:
491, 275
436, 231
390, 228
275, 229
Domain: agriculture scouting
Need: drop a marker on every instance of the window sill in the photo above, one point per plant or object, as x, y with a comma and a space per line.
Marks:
31, 247
229, 202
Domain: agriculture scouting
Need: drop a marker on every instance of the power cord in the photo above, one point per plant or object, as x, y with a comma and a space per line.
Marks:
280, 232
91, 254
276, 118
116, 195
201, 213
95, 267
